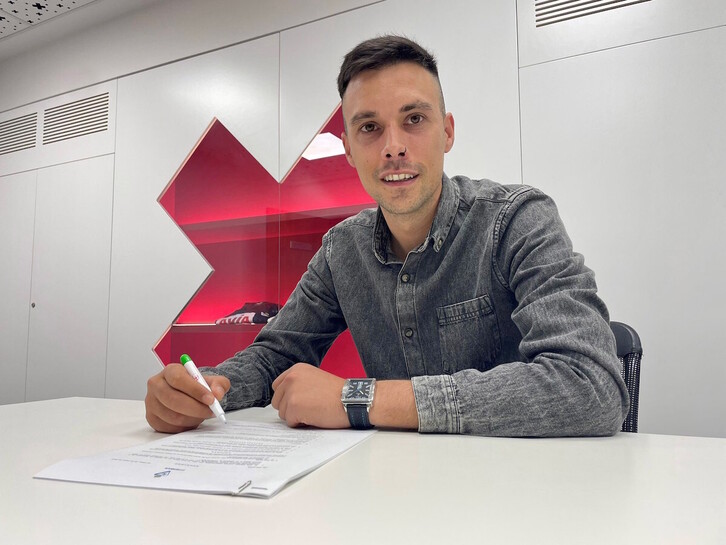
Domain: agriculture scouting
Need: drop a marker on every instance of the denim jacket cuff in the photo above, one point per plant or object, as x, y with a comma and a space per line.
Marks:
438, 410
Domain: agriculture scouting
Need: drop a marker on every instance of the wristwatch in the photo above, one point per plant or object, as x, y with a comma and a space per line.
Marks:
357, 398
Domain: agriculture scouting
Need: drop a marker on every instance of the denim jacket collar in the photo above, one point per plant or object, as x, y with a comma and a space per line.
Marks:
445, 214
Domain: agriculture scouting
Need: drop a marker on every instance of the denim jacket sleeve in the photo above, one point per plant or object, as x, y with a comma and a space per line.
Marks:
570, 383
302, 331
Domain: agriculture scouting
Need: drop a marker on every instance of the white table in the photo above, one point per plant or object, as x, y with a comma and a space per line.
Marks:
396, 487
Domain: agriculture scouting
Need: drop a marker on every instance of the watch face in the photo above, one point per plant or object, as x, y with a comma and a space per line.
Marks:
359, 390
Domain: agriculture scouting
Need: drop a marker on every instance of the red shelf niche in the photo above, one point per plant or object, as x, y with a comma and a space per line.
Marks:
328, 183
220, 180
257, 235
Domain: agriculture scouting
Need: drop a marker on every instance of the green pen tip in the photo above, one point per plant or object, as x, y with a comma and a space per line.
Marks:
184, 358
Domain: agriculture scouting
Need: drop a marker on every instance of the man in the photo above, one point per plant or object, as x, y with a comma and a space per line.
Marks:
464, 298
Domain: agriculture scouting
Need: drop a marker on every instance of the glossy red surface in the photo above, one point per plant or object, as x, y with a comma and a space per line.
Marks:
257, 235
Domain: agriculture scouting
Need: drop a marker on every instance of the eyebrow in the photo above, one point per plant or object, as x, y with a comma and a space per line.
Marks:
370, 114
361, 116
418, 105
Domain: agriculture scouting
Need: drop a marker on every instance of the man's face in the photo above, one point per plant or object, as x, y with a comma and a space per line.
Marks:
396, 137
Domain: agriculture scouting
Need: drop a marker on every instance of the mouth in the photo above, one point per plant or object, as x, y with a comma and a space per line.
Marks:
399, 179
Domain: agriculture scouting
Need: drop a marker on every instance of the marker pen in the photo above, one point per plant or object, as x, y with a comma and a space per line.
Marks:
188, 364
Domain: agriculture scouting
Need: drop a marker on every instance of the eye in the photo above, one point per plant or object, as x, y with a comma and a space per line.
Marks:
368, 127
415, 119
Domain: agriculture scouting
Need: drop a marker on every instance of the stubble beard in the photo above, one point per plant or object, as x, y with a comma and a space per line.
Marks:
414, 199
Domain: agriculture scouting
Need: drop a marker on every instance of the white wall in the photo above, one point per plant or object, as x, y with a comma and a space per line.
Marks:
624, 123
163, 113
475, 44
628, 137
631, 24
163, 32
273, 94
630, 142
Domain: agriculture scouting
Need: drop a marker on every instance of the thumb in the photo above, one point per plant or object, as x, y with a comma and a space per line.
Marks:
219, 385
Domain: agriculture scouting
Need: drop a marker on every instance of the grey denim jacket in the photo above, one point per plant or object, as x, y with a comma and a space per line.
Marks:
494, 318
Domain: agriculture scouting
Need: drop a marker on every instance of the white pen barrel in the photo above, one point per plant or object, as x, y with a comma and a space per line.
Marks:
188, 364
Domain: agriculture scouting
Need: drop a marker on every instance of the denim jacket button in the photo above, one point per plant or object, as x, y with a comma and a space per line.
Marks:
405, 278
408, 332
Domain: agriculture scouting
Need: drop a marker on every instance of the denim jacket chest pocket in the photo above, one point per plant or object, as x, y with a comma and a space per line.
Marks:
469, 335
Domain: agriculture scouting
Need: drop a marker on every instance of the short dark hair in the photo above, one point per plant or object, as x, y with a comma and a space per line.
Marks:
384, 51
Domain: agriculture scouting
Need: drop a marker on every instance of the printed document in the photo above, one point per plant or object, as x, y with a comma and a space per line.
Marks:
240, 458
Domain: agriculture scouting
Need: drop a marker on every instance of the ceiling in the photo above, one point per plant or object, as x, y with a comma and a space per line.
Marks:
17, 15
29, 24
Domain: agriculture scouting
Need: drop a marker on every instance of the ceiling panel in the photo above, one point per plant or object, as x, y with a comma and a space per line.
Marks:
17, 15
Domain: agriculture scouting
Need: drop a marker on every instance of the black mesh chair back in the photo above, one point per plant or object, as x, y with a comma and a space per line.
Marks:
630, 352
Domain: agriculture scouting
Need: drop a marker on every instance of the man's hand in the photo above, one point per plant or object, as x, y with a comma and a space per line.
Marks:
306, 395
176, 402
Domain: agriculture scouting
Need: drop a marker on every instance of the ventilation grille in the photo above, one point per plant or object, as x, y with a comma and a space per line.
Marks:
548, 12
18, 134
75, 119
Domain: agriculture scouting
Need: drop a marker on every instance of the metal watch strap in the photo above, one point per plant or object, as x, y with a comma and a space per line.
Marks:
358, 416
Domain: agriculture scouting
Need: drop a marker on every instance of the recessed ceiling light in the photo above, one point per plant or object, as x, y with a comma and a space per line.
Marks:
324, 145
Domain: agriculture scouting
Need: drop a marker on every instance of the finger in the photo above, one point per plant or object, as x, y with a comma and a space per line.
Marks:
287, 410
280, 379
277, 397
162, 419
180, 380
219, 385
178, 401
279, 402
164, 427
290, 419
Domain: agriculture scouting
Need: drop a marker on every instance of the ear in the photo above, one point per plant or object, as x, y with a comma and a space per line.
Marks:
346, 146
449, 131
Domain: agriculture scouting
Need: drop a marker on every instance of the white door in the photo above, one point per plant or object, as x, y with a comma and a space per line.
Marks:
70, 286
17, 216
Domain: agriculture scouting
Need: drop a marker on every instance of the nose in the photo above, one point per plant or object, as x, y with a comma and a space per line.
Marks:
394, 146
401, 153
